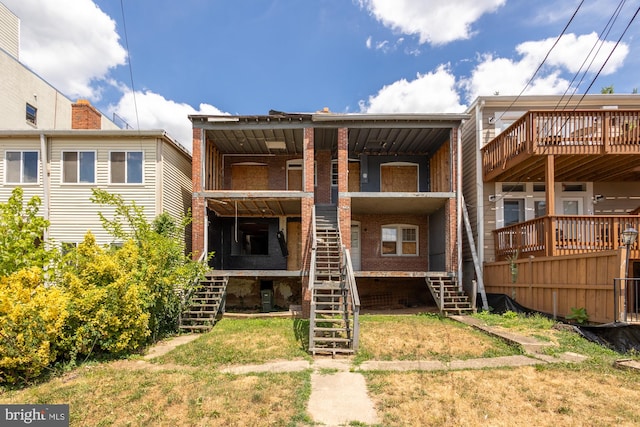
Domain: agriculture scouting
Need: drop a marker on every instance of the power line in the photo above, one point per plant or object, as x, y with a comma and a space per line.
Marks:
126, 41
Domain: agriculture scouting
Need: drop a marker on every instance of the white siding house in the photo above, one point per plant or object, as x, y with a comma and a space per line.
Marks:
147, 167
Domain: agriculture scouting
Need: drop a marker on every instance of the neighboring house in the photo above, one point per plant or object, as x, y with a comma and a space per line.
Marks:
59, 150
63, 166
549, 184
386, 184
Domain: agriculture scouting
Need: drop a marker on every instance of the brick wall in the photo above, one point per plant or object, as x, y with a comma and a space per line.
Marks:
306, 208
344, 203
198, 204
323, 165
85, 116
371, 242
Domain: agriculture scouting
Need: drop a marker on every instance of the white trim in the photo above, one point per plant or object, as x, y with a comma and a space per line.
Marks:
126, 177
78, 182
21, 182
399, 228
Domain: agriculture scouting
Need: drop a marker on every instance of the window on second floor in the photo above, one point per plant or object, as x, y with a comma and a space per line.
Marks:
399, 240
126, 167
79, 167
21, 167
31, 114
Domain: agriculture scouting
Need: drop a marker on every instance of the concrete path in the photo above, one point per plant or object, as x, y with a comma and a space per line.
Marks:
164, 347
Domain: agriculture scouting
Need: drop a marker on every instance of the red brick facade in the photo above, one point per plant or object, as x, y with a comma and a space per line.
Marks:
85, 116
198, 210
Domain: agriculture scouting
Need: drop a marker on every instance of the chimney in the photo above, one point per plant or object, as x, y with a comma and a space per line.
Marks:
85, 116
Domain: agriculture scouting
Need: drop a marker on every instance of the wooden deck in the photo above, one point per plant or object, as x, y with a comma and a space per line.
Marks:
564, 235
588, 145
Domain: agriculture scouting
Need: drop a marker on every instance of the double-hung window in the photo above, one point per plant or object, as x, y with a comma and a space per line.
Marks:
21, 167
399, 240
79, 167
126, 167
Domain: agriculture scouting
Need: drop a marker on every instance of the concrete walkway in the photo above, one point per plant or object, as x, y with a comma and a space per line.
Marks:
338, 388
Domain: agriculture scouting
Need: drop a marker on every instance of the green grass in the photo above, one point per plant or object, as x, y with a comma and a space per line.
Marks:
244, 341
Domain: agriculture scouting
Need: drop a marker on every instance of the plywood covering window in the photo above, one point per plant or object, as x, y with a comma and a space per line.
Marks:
399, 177
249, 176
294, 175
21, 167
354, 176
399, 240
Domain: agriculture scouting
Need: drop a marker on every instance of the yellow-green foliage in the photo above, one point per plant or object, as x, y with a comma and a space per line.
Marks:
107, 306
32, 317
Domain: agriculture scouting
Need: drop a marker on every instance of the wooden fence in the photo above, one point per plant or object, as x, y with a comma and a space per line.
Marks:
556, 284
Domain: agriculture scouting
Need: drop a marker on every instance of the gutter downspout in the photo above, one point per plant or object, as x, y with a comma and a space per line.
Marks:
44, 154
459, 200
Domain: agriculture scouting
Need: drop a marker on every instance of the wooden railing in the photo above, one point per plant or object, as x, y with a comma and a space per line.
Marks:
563, 235
564, 132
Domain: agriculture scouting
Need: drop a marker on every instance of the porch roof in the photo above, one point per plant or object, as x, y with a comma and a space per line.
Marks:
283, 133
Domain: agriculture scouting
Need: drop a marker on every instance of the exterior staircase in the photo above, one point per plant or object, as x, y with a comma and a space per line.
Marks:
205, 305
449, 299
331, 323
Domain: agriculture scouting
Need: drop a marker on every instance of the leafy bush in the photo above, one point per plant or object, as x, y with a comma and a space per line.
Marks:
21, 235
107, 306
32, 318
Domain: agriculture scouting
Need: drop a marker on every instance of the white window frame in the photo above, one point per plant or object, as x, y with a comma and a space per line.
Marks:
32, 119
22, 175
78, 182
399, 239
126, 169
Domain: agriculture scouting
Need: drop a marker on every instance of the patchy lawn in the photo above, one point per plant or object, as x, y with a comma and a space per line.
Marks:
425, 337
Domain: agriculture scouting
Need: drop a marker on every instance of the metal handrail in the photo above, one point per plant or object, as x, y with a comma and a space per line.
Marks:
626, 303
312, 272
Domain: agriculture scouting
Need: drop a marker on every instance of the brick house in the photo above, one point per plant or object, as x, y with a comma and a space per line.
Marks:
388, 182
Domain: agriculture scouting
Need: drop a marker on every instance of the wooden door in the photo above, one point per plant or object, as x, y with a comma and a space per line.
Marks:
354, 177
294, 246
399, 178
249, 177
294, 180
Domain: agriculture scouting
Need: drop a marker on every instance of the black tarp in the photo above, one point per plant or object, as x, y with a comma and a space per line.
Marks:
621, 337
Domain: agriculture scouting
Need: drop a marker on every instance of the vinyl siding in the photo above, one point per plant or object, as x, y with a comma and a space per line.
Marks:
176, 188
72, 212
9, 31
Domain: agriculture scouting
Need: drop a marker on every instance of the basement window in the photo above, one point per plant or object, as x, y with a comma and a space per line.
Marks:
250, 238
399, 240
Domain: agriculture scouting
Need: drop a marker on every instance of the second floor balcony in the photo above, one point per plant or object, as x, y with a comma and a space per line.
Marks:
585, 144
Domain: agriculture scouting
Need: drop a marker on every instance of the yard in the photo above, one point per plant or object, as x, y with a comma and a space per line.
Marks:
185, 387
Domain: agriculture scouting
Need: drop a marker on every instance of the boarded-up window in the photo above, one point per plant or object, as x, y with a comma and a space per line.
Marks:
399, 178
399, 240
354, 177
249, 177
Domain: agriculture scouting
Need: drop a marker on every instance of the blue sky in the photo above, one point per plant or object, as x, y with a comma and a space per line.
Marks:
249, 56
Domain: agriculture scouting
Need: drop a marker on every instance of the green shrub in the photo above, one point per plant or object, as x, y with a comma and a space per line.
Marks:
32, 317
107, 305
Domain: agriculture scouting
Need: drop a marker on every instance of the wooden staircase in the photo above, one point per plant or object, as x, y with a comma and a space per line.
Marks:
205, 305
449, 299
331, 325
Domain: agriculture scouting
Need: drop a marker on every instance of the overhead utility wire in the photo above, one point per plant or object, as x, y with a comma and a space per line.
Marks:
126, 41
544, 60
600, 43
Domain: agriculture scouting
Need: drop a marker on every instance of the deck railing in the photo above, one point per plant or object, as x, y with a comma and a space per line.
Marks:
563, 235
564, 132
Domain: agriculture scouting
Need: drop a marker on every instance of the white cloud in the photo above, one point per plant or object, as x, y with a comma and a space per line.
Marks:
571, 51
434, 21
509, 77
71, 43
368, 42
433, 92
157, 112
